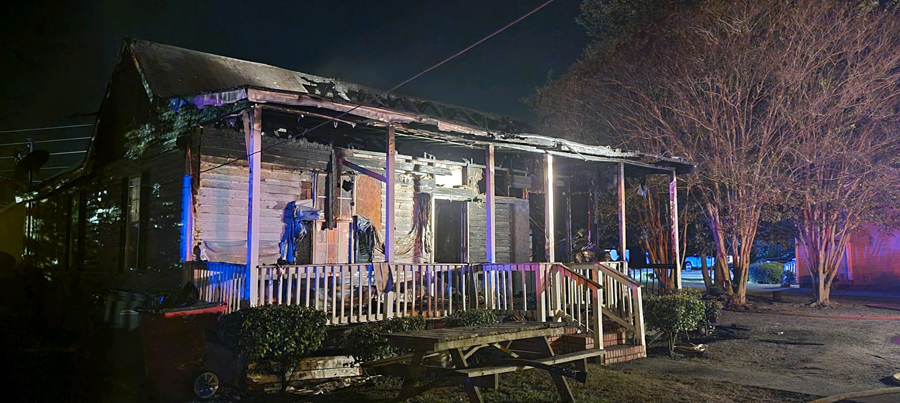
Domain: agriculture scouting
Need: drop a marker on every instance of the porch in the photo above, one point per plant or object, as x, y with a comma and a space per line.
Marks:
598, 298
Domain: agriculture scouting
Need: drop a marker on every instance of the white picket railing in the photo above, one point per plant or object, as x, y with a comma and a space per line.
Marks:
219, 282
354, 293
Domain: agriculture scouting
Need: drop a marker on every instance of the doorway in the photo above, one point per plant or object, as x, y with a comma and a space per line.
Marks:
449, 233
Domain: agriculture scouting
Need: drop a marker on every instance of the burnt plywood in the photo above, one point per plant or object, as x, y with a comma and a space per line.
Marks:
368, 199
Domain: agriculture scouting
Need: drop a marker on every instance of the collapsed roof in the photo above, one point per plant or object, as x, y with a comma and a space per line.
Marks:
175, 76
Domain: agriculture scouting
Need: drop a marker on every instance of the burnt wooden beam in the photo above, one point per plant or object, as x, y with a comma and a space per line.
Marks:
363, 170
332, 191
390, 196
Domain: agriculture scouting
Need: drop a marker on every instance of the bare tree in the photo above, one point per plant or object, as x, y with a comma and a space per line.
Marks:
748, 90
844, 76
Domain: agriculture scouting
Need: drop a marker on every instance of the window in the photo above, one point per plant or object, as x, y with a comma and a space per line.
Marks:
132, 223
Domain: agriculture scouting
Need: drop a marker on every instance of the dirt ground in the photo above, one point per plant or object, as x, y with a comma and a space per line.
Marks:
772, 352
857, 353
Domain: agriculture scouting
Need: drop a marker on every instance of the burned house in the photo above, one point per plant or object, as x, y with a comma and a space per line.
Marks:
264, 175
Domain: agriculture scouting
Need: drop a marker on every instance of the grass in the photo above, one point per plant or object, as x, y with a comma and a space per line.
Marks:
604, 385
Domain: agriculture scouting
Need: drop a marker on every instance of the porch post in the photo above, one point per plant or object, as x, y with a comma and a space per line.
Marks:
489, 204
569, 240
389, 198
621, 187
549, 224
253, 139
673, 212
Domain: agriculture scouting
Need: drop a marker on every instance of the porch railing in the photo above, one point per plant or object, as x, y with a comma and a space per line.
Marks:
354, 293
219, 282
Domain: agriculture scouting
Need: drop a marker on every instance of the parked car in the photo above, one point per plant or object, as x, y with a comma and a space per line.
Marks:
694, 262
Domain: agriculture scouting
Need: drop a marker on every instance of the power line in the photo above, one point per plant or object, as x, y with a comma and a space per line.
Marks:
358, 105
394, 88
36, 129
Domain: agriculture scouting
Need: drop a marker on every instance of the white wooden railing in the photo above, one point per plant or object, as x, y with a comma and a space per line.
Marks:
219, 282
354, 293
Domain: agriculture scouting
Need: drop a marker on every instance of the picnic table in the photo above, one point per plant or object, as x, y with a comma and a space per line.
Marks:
477, 355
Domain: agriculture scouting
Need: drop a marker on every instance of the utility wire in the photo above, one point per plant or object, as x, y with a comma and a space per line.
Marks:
36, 129
358, 105
394, 88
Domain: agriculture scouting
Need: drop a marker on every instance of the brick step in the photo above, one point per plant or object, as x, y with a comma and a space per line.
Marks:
622, 353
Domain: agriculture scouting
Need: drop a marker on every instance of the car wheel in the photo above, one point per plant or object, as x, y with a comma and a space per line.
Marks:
688, 266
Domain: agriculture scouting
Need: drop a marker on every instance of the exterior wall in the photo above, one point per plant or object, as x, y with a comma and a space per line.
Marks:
513, 244
83, 229
220, 218
872, 261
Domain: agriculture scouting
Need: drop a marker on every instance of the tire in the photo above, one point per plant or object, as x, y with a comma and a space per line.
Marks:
688, 266
206, 385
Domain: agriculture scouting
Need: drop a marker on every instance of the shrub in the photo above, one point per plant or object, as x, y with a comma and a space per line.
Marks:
471, 317
766, 272
368, 342
787, 278
711, 309
680, 311
275, 337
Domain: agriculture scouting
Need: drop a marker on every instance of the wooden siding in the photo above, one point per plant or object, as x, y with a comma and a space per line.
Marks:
512, 231
220, 221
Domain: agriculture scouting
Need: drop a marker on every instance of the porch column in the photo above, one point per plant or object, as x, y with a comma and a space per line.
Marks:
673, 212
253, 140
389, 198
549, 224
489, 203
569, 240
621, 187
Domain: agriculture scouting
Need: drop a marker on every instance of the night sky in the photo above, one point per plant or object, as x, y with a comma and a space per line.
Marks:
58, 56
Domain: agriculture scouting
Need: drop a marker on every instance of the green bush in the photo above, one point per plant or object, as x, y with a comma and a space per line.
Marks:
275, 337
471, 317
766, 272
368, 342
680, 311
711, 309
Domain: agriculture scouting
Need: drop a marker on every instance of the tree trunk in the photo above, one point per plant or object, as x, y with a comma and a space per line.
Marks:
722, 277
704, 268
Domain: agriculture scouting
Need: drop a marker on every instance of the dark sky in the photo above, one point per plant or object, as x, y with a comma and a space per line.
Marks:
56, 56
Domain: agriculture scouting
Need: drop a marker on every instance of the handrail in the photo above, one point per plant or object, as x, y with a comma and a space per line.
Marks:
617, 275
591, 284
